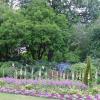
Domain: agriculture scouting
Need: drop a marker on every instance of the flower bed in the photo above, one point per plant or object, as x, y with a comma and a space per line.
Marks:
48, 95
63, 90
66, 83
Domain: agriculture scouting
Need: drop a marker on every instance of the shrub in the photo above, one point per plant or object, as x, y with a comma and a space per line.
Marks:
7, 72
9, 64
78, 67
81, 68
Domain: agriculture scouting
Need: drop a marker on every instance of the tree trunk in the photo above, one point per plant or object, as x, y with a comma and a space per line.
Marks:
50, 54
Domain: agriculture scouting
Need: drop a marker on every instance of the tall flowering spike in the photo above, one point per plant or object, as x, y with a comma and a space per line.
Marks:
40, 73
16, 74
46, 74
3, 73
25, 73
32, 73
21, 73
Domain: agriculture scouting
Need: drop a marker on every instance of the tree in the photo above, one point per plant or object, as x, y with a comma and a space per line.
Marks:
84, 11
47, 30
40, 29
11, 34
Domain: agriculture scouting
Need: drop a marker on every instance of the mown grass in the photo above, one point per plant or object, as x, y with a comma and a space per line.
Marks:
4, 96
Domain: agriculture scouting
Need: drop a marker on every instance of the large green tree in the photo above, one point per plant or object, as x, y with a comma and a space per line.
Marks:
48, 30
11, 32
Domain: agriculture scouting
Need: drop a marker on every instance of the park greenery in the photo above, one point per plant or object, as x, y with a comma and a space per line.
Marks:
48, 34
36, 35
49, 31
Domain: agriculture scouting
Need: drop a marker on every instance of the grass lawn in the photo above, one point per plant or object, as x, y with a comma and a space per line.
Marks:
4, 96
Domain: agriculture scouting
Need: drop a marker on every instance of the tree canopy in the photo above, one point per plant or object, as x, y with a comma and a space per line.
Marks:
57, 30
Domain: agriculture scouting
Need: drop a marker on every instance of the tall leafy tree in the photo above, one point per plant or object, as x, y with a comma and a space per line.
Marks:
48, 30
11, 33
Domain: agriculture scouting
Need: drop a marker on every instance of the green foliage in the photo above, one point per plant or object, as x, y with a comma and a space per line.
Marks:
47, 32
7, 68
96, 63
29, 86
8, 64
94, 90
11, 33
72, 57
41, 30
82, 67
2, 83
78, 67
27, 76
95, 42
98, 80
27, 58
7, 72
88, 72
85, 16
